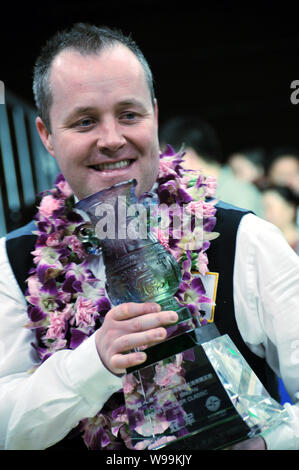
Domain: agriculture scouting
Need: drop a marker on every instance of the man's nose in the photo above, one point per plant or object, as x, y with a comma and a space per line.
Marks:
110, 138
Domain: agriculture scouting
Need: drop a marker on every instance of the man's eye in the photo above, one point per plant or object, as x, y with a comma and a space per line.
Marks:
85, 122
129, 116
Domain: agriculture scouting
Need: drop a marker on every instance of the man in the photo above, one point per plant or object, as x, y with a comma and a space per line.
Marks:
98, 118
283, 169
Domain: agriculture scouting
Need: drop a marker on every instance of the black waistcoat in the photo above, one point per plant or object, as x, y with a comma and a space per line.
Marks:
221, 256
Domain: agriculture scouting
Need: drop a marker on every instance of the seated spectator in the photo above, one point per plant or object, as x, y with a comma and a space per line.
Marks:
284, 168
248, 164
204, 152
280, 204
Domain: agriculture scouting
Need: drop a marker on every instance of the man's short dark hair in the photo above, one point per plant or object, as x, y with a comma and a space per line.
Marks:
86, 39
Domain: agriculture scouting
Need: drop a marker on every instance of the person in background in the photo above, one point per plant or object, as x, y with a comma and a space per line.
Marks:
284, 168
248, 164
281, 205
204, 152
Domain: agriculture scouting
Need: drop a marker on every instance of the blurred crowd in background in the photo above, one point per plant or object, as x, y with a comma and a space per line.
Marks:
263, 181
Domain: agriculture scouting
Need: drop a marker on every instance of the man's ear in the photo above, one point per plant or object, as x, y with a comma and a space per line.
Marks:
45, 135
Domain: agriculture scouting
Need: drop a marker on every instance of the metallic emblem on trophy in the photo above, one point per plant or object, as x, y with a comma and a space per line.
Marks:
195, 390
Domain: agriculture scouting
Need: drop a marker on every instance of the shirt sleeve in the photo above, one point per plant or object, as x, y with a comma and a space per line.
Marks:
37, 409
266, 298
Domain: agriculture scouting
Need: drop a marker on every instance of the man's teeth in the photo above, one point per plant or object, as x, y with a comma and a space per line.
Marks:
112, 166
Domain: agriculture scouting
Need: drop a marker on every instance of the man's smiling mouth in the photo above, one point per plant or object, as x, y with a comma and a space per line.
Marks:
108, 166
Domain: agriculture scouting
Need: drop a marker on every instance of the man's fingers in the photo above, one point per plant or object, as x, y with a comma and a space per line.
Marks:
131, 309
134, 340
255, 443
127, 328
140, 317
121, 362
151, 320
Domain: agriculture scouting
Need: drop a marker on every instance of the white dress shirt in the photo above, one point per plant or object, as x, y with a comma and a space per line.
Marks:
38, 409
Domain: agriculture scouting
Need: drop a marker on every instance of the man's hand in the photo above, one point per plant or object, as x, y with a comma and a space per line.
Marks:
130, 326
256, 443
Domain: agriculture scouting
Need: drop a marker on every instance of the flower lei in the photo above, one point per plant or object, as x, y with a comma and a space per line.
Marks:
66, 303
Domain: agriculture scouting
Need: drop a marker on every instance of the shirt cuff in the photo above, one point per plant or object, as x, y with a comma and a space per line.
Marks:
89, 376
281, 437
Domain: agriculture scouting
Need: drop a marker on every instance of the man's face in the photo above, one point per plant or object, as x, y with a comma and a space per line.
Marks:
103, 125
285, 171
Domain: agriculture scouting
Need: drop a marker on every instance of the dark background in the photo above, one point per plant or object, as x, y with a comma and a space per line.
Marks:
231, 64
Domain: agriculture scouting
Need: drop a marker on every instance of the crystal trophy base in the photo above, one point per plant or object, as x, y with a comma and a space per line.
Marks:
196, 391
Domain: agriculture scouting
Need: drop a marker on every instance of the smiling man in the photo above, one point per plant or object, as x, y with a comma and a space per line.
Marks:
98, 117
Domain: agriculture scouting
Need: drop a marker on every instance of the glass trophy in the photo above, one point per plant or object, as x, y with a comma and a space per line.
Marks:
195, 390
